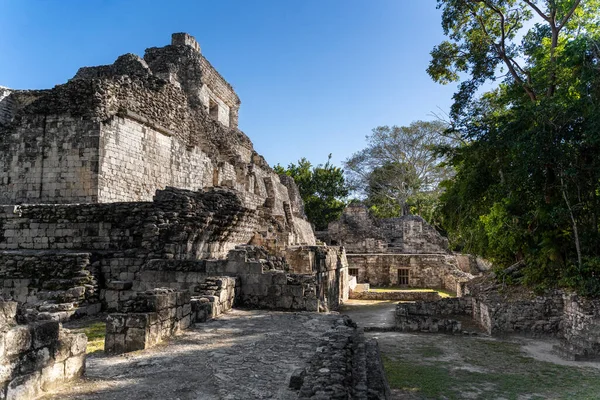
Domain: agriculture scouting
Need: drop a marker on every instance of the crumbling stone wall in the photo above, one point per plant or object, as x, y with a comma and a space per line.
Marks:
6, 105
215, 296
51, 285
147, 319
359, 232
580, 328
36, 357
345, 366
120, 132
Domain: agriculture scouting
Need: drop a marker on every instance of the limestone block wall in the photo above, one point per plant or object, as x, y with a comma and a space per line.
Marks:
136, 159
424, 270
540, 315
215, 296
432, 316
49, 159
36, 357
148, 318
580, 328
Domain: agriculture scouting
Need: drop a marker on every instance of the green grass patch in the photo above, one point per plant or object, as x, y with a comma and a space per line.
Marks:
95, 332
486, 370
441, 292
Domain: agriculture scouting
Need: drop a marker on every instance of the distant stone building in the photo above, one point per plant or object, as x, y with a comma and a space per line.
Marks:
404, 251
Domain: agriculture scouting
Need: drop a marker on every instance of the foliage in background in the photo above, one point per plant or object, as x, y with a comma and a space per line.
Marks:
322, 187
400, 169
528, 175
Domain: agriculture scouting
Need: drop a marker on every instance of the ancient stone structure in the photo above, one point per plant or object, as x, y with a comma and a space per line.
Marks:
404, 251
573, 319
36, 357
131, 185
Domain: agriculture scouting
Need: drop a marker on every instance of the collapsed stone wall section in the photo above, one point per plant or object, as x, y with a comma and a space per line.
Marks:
50, 284
36, 357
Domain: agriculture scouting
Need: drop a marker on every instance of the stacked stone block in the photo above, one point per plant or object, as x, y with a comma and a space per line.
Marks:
148, 319
36, 357
279, 290
215, 296
431, 316
581, 329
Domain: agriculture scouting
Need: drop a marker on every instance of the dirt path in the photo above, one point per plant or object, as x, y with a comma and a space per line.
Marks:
241, 355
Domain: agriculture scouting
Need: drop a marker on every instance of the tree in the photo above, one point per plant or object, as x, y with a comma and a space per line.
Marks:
527, 181
322, 188
397, 164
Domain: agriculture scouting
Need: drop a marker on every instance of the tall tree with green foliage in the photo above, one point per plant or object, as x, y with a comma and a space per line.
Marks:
322, 188
528, 178
400, 168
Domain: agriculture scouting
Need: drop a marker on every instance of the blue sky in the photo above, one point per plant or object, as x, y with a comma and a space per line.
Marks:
314, 76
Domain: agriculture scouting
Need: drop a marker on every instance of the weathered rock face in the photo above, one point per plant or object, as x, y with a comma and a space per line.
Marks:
359, 232
404, 251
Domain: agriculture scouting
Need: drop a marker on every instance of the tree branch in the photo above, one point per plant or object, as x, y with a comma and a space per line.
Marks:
568, 15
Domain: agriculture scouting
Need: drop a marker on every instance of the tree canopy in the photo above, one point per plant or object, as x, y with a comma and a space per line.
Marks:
400, 167
528, 174
322, 188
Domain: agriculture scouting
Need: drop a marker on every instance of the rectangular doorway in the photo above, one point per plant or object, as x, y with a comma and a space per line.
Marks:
403, 275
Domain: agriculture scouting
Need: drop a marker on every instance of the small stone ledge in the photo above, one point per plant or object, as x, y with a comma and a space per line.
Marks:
431, 316
147, 319
36, 357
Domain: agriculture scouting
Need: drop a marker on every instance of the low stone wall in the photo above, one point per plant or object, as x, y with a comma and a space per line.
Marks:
215, 296
536, 316
430, 316
279, 290
396, 296
36, 357
148, 318
345, 366
580, 328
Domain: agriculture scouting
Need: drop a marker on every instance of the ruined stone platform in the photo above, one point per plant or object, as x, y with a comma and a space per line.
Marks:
241, 355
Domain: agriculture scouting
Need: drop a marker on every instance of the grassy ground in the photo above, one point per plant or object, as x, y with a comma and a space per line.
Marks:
442, 293
94, 329
430, 366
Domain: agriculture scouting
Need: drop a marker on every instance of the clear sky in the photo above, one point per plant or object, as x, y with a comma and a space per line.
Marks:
314, 76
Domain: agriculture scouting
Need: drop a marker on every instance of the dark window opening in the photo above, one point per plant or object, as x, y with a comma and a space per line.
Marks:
353, 271
403, 275
213, 109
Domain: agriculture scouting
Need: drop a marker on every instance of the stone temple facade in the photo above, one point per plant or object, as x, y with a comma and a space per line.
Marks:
130, 189
404, 251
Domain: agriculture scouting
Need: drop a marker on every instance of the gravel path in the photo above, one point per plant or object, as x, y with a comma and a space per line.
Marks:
241, 355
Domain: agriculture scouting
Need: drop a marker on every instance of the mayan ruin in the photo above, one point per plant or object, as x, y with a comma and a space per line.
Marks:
151, 249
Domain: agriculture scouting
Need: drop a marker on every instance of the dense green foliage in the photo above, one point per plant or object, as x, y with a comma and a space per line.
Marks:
528, 178
322, 188
399, 171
